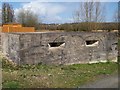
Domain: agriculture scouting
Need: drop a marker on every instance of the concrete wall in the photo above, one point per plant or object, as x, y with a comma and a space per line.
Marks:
33, 48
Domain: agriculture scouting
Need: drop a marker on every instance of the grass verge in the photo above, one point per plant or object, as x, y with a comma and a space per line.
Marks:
51, 76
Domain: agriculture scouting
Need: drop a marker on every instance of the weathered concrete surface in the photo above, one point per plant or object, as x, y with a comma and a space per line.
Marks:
34, 48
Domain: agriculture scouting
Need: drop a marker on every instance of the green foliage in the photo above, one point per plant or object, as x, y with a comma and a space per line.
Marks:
11, 84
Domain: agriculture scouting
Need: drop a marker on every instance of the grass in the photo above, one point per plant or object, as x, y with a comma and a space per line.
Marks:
51, 76
119, 49
11, 84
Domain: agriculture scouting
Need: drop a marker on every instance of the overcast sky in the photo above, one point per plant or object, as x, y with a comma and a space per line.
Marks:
58, 12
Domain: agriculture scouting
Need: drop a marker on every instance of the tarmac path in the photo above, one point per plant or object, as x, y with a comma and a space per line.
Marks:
106, 82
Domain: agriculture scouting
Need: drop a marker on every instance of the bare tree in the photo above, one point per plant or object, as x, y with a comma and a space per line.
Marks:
21, 17
114, 25
115, 16
91, 13
76, 16
27, 18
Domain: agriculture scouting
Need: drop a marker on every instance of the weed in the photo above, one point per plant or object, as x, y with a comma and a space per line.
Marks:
63, 76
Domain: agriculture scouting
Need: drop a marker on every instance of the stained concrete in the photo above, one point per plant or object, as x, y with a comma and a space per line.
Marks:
59, 47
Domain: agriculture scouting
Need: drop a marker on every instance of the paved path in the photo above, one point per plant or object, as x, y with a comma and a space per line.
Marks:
107, 82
